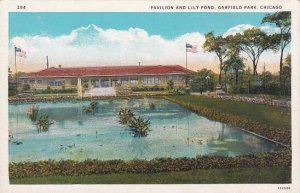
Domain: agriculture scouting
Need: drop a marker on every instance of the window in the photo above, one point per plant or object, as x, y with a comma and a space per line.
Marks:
105, 83
134, 81
31, 81
149, 80
55, 83
39, 81
74, 81
157, 80
124, 81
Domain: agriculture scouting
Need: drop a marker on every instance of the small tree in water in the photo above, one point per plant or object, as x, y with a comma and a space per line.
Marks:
32, 112
125, 116
43, 124
140, 127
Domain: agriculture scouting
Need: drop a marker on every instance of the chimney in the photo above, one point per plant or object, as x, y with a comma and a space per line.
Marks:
47, 62
59, 66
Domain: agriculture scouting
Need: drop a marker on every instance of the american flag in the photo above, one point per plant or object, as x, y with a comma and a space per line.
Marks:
20, 52
191, 48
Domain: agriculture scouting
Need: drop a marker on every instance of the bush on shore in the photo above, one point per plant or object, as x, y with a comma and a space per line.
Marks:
89, 167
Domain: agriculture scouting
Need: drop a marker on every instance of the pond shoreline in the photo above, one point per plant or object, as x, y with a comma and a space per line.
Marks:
281, 158
263, 131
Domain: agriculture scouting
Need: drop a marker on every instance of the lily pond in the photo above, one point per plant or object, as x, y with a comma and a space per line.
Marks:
175, 132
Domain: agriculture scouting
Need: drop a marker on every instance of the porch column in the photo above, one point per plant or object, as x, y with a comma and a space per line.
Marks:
79, 88
110, 85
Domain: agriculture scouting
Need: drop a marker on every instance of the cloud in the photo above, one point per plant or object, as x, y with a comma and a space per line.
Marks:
93, 46
242, 27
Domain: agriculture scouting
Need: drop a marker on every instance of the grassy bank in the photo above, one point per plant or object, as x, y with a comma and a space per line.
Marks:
269, 121
235, 175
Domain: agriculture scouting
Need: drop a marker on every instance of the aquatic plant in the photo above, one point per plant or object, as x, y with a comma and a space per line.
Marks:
125, 116
94, 105
43, 124
152, 106
140, 127
32, 112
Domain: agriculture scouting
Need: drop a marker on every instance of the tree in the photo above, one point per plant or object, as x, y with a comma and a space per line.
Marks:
218, 45
235, 63
199, 83
286, 76
282, 20
254, 42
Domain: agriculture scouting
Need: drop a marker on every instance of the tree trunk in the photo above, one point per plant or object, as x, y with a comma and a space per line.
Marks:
236, 76
220, 75
280, 72
254, 69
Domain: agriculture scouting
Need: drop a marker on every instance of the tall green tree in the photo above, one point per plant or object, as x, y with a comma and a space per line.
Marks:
235, 63
217, 45
199, 83
282, 20
253, 42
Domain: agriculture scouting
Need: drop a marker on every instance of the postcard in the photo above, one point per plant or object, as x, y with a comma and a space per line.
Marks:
152, 96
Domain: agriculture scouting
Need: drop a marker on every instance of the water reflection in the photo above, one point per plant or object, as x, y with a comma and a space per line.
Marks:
139, 147
175, 132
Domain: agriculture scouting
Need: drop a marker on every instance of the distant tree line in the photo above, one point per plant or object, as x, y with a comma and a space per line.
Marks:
251, 43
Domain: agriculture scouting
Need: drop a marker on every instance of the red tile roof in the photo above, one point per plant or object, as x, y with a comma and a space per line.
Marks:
110, 71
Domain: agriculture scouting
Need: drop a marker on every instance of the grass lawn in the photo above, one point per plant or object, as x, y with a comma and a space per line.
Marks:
269, 115
215, 176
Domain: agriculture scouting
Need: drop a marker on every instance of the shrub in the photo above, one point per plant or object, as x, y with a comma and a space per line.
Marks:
94, 105
170, 85
140, 127
26, 87
125, 116
43, 124
32, 112
152, 106
89, 167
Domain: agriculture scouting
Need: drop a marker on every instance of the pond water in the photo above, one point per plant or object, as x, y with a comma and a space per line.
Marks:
175, 132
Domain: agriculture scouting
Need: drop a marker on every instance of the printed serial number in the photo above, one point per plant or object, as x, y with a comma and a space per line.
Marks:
284, 188
21, 7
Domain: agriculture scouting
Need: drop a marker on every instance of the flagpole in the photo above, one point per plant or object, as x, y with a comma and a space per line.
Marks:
185, 65
16, 71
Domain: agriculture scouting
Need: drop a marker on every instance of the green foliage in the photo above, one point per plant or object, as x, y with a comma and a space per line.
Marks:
26, 87
254, 42
91, 108
261, 175
56, 91
123, 90
32, 112
140, 127
147, 88
219, 46
152, 106
234, 63
199, 83
170, 85
89, 167
12, 89
43, 124
125, 116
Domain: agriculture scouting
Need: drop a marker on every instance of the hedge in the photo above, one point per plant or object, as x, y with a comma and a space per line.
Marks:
89, 167
280, 135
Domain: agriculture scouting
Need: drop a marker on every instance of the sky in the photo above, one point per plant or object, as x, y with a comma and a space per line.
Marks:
101, 39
